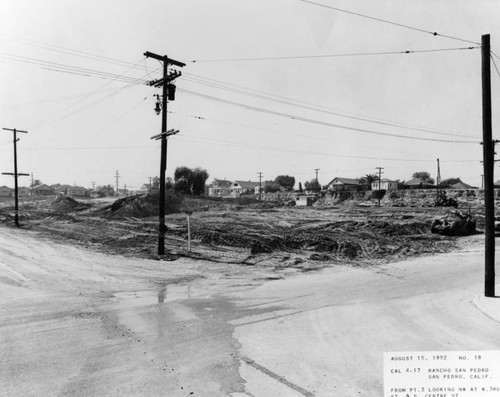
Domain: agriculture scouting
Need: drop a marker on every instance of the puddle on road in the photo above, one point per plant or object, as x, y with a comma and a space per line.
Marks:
147, 311
164, 294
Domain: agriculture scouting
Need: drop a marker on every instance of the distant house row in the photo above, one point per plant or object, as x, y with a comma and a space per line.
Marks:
225, 188
45, 190
347, 184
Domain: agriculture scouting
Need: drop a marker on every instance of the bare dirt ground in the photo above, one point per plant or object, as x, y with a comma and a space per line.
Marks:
238, 231
95, 313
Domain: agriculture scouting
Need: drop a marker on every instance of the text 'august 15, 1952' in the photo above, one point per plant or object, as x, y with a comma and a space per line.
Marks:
442, 374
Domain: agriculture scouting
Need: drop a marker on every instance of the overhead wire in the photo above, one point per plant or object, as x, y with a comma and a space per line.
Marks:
44, 101
59, 67
277, 58
317, 108
318, 122
495, 65
329, 153
70, 51
401, 25
63, 113
288, 133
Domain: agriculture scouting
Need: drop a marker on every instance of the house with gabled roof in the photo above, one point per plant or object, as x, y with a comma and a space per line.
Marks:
344, 184
5, 191
244, 187
219, 188
43, 190
23, 191
418, 183
462, 186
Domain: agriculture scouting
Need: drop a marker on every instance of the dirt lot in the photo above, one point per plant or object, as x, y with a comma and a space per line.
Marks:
239, 230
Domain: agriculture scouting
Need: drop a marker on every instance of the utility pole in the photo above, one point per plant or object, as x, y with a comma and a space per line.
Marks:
93, 185
438, 178
15, 174
117, 176
316, 170
379, 180
379, 176
488, 163
168, 90
260, 185
150, 184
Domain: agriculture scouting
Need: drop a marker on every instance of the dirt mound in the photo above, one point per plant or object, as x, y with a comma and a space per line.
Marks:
67, 204
145, 205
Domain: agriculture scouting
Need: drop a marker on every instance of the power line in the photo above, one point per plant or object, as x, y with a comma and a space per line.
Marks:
314, 107
277, 58
64, 111
71, 51
44, 101
281, 149
401, 25
60, 67
288, 133
319, 122
495, 65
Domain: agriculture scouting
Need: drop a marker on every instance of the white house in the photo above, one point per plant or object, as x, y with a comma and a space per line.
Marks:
219, 188
244, 187
305, 200
385, 184
344, 184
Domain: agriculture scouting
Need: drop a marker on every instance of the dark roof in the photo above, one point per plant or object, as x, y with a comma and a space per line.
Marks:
384, 180
462, 186
43, 186
247, 184
345, 181
417, 182
221, 183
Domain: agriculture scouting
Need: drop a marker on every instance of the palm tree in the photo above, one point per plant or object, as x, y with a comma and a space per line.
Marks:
369, 179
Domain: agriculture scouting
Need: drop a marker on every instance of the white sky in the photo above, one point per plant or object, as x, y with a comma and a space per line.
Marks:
82, 128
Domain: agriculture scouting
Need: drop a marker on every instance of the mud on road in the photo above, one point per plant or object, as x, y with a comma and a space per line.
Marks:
238, 231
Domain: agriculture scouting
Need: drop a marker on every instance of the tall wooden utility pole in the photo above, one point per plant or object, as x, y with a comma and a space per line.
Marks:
15, 174
260, 185
117, 176
379, 175
168, 90
316, 170
488, 163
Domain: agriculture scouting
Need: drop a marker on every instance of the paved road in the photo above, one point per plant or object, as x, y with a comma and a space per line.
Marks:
80, 323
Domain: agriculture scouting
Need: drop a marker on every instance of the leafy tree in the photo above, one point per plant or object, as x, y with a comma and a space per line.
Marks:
424, 175
286, 181
446, 183
36, 182
169, 183
271, 187
190, 181
300, 187
313, 185
106, 190
200, 177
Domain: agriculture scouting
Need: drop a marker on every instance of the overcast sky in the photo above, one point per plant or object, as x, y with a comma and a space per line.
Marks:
262, 96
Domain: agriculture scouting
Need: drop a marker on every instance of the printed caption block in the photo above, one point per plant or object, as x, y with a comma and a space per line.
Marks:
442, 374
